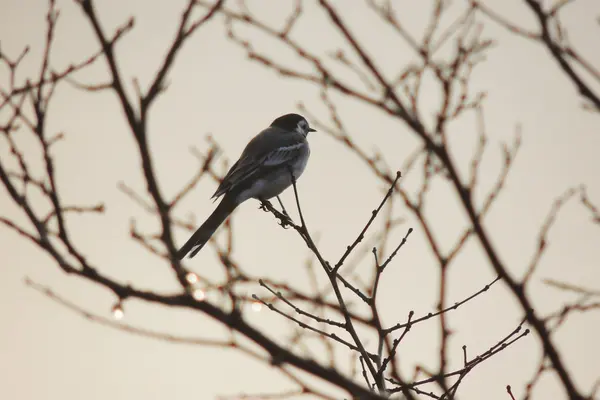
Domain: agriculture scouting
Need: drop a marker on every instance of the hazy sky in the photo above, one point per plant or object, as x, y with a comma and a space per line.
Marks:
48, 352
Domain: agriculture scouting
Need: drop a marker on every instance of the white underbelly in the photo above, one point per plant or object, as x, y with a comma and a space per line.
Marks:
273, 184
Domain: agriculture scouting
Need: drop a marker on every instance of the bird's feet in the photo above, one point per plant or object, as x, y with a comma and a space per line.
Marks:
265, 205
284, 219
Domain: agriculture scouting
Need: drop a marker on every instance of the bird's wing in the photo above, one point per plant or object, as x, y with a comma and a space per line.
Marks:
269, 149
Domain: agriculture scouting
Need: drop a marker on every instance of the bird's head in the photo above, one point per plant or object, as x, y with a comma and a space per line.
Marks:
293, 122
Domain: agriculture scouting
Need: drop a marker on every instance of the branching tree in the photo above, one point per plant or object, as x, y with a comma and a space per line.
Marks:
427, 97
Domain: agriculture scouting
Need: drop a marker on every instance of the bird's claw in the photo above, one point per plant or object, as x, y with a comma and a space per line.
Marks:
265, 205
285, 221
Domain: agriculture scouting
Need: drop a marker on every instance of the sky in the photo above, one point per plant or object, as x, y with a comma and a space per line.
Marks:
49, 351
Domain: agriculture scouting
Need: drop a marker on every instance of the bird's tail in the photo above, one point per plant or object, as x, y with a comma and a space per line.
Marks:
208, 228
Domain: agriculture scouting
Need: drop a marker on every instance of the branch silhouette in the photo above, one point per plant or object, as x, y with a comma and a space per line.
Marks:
341, 309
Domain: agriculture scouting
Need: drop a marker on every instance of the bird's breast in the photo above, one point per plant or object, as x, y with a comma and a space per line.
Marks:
278, 180
299, 164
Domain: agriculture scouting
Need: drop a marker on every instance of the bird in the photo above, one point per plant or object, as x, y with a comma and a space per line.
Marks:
263, 171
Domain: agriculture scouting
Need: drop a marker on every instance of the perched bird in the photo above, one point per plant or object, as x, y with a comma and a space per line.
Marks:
263, 171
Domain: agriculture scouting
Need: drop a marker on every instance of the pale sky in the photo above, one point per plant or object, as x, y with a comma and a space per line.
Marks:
50, 352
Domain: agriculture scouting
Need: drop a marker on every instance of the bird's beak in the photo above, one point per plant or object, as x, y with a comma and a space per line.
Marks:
312, 130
